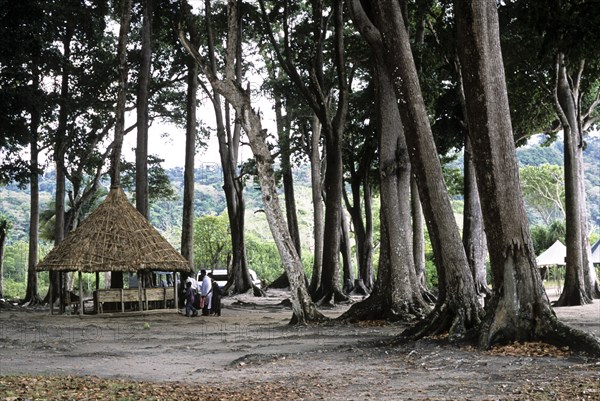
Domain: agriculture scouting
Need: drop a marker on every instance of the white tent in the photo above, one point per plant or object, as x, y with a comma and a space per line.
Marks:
596, 253
555, 255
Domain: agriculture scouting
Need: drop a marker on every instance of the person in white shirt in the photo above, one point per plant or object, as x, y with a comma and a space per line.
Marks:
205, 293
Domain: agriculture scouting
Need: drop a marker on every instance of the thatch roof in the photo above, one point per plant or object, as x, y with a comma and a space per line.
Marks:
115, 237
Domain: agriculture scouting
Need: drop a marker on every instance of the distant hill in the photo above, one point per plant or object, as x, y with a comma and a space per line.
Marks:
210, 198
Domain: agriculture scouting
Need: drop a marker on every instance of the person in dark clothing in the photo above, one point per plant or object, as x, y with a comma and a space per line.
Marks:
216, 297
190, 298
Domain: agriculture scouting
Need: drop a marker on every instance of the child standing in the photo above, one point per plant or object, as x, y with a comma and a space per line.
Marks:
190, 298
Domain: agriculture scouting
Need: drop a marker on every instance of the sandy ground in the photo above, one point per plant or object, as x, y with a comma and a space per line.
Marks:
251, 344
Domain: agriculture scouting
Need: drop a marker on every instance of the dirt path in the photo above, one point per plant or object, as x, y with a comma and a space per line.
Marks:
251, 346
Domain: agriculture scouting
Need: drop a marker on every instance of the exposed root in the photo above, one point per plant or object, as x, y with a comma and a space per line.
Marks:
376, 308
460, 323
331, 298
575, 297
542, 326
427, 295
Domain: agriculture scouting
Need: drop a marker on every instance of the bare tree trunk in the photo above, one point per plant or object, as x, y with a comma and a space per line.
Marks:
3, 233
187, 227
359, 179
115, 179
574, 291
330, 289
473, 232
457, 309
317, 200
283, 130
396, 294
346, 255
519, 309
141, 152
31, 292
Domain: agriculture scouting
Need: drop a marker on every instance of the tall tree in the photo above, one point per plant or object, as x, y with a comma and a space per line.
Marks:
229, 144
303, 308
316, 92
4, 228
565, 97
519, 309
115, 177
457, 309
396, 294
143, 95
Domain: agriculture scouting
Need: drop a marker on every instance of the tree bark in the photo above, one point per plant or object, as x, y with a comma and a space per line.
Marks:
283, 131
115, 179
473, 231
519, 309
574, 291
187, 226
3, 233
457, 309
141, 151
363, 229
396, 295
31, 292
330, 288
345, 248
316, 166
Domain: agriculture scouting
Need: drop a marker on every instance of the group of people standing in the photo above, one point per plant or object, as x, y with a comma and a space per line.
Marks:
205, 296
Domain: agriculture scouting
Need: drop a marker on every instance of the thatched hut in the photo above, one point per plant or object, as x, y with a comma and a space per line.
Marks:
115, 237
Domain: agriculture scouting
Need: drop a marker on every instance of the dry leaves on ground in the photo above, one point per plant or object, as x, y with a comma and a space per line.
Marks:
13, 388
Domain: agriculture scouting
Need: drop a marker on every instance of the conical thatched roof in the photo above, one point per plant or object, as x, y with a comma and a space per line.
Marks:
115, 237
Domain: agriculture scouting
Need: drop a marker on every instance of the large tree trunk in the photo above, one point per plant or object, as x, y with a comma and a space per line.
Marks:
519, 309
396, 294
59, 280
330, 289
141, 151
31, 292
115, 178
473, 232
3, 233
317, 201
187, 225
457, 309
283, 130
346, 251
418, 232
574, 291
359, 179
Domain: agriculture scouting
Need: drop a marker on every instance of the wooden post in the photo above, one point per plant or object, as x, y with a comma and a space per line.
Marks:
140, 284
51, 294
175, 287
80, 295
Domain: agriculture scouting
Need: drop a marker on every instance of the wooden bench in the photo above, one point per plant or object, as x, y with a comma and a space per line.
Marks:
123, 295
119, 295
160, 294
